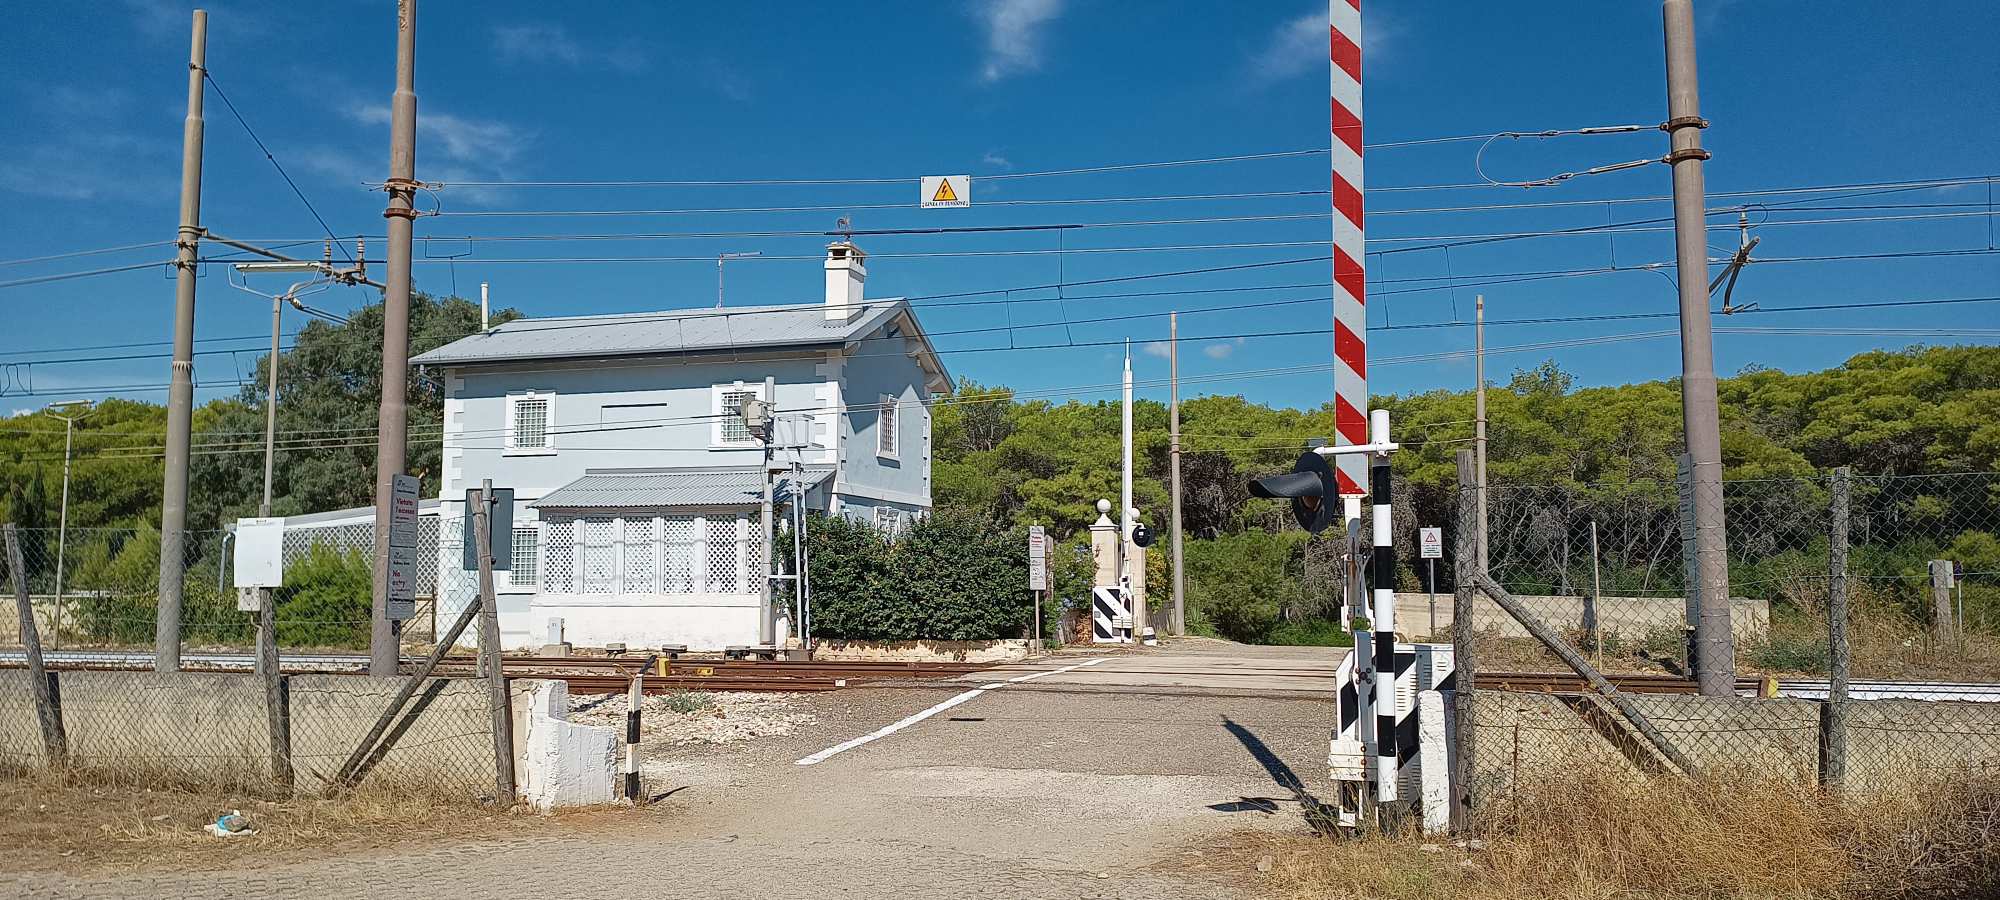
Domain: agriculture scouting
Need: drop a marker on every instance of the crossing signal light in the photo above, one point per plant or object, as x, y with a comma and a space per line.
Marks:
1309, 485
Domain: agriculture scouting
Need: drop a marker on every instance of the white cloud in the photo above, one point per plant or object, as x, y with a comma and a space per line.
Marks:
1293, 48
550, 43
1221, 349
1160, 349
997, 161
1300, 45
452, 148
1014, 34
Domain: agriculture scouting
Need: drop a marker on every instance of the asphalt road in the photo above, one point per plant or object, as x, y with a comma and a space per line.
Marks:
1051, 779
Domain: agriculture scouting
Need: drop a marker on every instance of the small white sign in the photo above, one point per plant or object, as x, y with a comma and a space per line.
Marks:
945, 192
260, 553
1431, 542
1038, 559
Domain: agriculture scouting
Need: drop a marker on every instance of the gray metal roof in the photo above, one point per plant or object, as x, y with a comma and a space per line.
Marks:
665, 332
655, 488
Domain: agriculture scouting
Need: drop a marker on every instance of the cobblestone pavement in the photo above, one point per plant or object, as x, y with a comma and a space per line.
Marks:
1021, 792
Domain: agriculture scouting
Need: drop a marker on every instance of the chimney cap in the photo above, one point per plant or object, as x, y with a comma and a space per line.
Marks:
844, 250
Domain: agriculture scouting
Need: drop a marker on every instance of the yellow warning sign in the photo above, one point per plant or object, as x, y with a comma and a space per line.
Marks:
945, 192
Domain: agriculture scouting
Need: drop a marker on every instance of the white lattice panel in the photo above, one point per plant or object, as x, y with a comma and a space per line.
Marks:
677, 555
640, 557
559, 556
600, 555
725, 557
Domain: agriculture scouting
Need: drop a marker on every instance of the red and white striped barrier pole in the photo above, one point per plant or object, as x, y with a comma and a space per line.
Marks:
1350, 319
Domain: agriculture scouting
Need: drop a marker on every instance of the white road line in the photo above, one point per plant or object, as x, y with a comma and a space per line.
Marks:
890, 729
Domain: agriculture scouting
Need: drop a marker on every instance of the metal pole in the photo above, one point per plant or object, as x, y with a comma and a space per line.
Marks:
62, 535
498, 706
1431, 580
1178, 625
1479, 424
799, 549
54, 742
1125, 510
767, 618
180, 392
1715, 651
485, 309
1833, 723
392, 423
271, 402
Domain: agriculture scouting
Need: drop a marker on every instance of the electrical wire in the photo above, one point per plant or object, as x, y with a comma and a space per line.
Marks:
210, 77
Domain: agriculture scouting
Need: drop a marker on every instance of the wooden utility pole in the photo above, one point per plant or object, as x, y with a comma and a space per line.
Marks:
499, 707
54, 742
180, 390
1178, 625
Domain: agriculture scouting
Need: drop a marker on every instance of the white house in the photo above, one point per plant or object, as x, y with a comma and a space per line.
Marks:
637, 487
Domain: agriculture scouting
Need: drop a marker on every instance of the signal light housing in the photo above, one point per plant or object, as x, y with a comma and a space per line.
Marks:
1309, 485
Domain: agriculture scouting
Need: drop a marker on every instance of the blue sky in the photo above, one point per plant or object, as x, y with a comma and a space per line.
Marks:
1799, 97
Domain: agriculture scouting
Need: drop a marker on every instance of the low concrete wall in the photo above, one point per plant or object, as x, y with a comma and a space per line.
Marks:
186, 727
1629, 618
924, 651
557, 762
443, 741
20, 732
209, 730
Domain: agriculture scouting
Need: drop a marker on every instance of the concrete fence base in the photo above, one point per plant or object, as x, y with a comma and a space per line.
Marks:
208, 730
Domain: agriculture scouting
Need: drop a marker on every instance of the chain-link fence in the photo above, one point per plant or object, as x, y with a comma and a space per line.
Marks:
1606, 564
211, 731
1517, 744
97, 589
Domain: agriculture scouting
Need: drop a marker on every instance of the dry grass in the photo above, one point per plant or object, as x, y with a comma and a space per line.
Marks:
52, 823
1603, 835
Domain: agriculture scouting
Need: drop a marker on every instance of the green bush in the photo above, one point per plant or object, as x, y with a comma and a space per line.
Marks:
948, 576
326, 599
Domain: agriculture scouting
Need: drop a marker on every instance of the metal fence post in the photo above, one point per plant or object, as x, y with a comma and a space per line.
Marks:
54, 741
1833, 716
499, 705
1465, 565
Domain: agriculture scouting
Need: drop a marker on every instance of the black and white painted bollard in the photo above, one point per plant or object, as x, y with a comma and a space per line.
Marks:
633, 703
1382, 618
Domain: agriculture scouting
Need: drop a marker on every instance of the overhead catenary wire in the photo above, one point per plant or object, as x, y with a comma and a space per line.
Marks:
209, 76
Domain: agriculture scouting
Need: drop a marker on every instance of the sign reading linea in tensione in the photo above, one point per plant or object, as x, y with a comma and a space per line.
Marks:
1431, 540
945, 192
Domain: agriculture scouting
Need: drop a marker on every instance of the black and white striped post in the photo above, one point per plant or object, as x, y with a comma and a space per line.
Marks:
634, 700
1382, 618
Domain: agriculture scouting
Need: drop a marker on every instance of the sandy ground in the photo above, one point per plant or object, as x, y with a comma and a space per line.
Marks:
1089, 783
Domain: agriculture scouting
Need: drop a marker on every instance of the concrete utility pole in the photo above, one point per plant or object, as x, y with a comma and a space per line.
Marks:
1178, 626
180, 392
1714, 643
1479, 425
392, 424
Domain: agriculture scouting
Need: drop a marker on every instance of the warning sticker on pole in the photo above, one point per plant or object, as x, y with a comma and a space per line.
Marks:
945, 192
1038, 559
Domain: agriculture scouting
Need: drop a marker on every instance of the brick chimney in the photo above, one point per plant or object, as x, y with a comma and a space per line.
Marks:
844, 277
